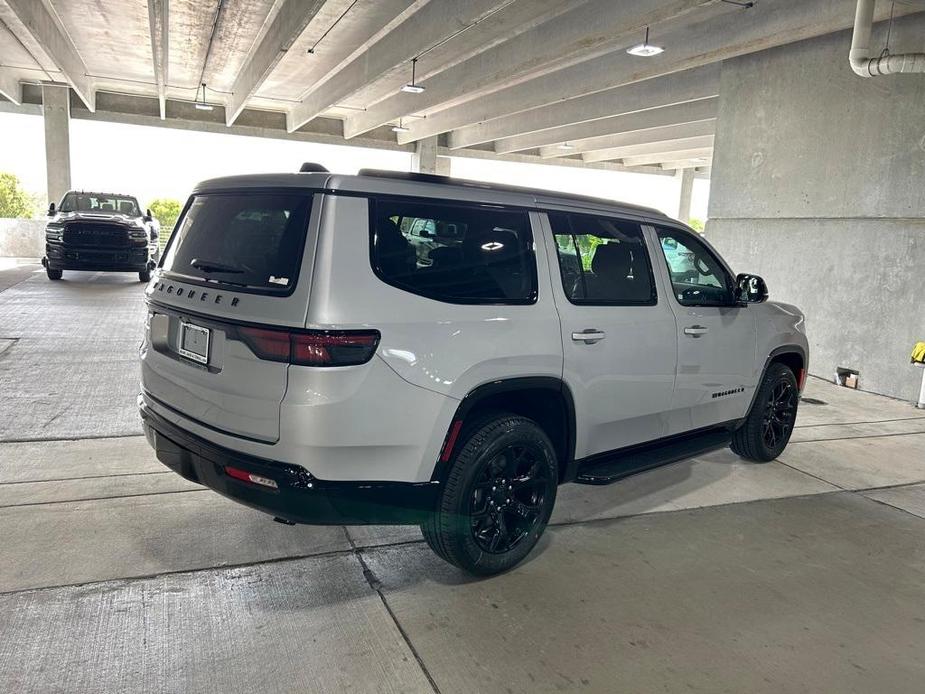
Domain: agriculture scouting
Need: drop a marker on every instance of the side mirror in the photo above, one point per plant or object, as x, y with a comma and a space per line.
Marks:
751, 289
51, 210
148, 216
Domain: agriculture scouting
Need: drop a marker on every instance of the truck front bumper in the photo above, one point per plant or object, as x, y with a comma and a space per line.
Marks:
61, 257
284, 490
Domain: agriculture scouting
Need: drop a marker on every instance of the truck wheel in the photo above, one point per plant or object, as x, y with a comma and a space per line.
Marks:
53, 274
144, 275
497, 498
769, 423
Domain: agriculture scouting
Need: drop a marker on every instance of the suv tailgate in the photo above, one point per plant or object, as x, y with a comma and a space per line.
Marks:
233, 261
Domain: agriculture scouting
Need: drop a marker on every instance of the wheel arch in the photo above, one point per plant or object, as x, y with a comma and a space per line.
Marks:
545, 399
791, 356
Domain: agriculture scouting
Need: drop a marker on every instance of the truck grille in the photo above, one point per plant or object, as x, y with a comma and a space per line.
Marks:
96, 235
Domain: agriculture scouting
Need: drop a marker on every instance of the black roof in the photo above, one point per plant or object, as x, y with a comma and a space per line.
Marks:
524, 190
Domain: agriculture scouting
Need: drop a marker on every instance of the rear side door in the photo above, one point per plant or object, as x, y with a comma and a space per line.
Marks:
618, 335
717, 336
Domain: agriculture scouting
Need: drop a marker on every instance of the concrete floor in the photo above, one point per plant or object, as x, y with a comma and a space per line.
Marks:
805, 574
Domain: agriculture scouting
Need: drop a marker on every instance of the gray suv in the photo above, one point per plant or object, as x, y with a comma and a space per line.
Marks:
303, 358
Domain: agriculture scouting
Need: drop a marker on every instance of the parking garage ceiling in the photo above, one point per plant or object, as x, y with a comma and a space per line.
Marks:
546, 79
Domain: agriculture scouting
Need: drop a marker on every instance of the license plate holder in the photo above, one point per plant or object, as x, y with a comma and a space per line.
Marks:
194, 342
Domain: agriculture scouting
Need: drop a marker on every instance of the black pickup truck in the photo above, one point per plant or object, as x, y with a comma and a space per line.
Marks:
100, 231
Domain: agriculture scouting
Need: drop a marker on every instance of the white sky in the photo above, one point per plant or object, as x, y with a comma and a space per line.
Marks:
152, 162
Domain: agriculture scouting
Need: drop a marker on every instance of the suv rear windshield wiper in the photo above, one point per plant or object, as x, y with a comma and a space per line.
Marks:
213, 266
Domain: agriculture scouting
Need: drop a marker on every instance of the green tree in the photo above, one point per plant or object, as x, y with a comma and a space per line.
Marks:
14, 201
695, 224
166, 211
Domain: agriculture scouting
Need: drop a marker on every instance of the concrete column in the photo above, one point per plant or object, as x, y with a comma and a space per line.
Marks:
822, 196
687, 190
425, 159
56, 104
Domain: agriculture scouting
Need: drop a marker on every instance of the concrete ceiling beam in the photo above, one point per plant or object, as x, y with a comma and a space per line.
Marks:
630, 139
698, 165
432, 22
718, 37
669, 90
588, 30
672, 158
159, 28
626, 123
44, 30
510, 21
649, 148
291, 20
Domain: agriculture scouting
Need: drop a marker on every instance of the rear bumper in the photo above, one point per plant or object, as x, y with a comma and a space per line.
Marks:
299, 497
61, 257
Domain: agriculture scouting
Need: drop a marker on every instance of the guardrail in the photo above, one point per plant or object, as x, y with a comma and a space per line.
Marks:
22, 238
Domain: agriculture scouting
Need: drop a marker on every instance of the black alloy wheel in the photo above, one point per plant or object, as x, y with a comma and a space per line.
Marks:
769, 423
779, 414
497, 496
508, 498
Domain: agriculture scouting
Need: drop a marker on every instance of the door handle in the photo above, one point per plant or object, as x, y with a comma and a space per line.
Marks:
589, 336
696, 330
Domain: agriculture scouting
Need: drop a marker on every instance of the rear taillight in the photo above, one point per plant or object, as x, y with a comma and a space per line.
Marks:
313, 347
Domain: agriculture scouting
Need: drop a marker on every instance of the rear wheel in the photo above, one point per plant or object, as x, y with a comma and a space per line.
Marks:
53, 274
498, 496
769, 423
144, 275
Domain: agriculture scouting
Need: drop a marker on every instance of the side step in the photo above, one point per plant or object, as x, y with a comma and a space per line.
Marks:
640, 458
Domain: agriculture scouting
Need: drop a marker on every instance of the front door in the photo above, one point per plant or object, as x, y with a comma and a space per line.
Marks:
717, 336
619, 337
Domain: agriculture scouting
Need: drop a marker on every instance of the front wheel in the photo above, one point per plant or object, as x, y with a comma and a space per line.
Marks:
498, 496
769, 423
144, 275
53, 274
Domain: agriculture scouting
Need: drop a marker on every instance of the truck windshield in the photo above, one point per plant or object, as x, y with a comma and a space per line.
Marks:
100, 202
249, 239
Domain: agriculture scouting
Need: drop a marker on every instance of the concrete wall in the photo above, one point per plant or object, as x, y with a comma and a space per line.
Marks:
819, 185
22, 238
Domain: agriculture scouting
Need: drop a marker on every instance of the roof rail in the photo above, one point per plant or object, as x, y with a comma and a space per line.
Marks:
313, 167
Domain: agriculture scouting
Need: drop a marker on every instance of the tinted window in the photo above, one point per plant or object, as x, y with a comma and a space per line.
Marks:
697, 276
249, 239
101, 203
455, 253
602, 260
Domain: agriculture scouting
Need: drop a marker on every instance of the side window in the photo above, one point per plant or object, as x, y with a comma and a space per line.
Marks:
602, 260
455, 253
697, 276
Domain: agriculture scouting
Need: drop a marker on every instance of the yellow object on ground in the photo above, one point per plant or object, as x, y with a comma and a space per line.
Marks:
918, 353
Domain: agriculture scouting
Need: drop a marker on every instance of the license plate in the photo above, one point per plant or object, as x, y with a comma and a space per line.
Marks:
194, 342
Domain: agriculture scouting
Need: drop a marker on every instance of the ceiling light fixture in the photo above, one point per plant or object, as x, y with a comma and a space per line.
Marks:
400, 128
645, 49
566, 145
412, 87
202, 105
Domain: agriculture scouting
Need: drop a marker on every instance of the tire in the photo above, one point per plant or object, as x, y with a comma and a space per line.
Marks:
53, 274
144, 275
769, 423
465, 530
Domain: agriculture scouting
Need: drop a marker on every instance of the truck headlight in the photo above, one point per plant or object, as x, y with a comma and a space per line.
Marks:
54, 232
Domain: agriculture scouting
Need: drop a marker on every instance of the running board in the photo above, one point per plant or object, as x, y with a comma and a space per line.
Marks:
640, 458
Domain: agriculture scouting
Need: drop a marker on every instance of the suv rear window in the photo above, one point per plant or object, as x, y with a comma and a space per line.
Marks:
254, 240
452, 252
